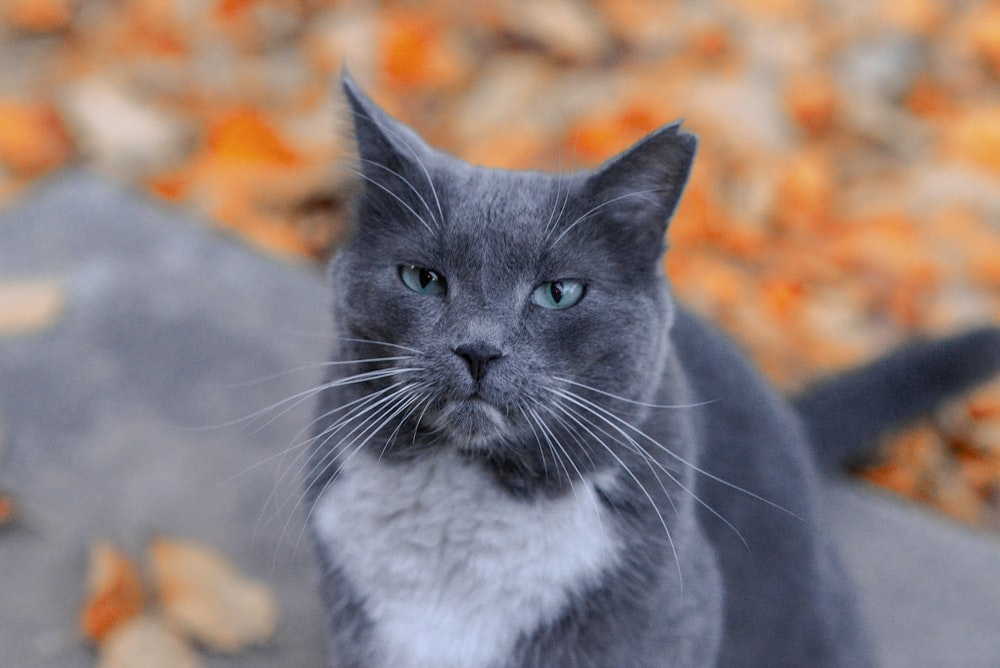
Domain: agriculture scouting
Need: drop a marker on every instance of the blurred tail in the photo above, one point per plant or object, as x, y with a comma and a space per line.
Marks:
845, 415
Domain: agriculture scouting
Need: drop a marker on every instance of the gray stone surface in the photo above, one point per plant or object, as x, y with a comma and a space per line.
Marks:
118, 417
113, 417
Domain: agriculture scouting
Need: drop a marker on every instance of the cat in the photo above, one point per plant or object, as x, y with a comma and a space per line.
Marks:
527, 454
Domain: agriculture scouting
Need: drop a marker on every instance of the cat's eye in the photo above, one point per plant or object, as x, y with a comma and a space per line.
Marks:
423, 280
557, 294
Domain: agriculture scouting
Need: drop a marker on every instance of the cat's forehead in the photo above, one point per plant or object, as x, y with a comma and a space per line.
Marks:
502, 204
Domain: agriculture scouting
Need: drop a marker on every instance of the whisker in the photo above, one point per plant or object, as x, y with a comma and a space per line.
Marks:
600, 206
416, 157
633, 401
649, 497
379, 343
634, 445
396, 197
367, 404
296, 399
402, 178
694, 467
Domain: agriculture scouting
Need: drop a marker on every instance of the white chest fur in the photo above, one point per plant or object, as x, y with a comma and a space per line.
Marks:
452, 569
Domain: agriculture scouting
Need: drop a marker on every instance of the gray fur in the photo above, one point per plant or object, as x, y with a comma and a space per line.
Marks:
695, 538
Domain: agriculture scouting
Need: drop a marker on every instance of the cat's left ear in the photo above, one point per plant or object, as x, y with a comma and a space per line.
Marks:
384, 143
640, 188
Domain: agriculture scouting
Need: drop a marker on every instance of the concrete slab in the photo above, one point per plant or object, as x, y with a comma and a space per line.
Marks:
117, 423
112, 416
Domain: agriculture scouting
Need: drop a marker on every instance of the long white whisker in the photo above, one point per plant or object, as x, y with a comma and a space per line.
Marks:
416, 157
379, 343
600, 206
634, 445
368, 403
395, 197
649, 497
698, 404
570, 396
404, 180
291, 402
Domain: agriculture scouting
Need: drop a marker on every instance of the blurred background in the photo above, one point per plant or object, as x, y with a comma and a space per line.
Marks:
846, 195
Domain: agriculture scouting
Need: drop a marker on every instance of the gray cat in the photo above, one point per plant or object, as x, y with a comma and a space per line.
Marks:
528, 455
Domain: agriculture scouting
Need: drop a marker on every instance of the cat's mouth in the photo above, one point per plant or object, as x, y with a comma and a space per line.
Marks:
473, 423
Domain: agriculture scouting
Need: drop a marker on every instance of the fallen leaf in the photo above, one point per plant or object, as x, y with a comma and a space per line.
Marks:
207, 598
812, 102
114, 592
8, 510
974, 137
245, 136
805, 192
983, 32
38, 15
417, 51
33, 140
29, 306
146, 642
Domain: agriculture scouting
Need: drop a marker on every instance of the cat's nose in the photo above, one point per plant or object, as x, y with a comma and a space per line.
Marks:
478, 356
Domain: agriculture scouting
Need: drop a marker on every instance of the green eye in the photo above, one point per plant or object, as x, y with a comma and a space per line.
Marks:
423, 280
557, 294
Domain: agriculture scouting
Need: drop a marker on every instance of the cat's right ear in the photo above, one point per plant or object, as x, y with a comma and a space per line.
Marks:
385, 146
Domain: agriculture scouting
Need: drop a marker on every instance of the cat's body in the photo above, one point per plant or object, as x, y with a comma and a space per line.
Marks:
528, 456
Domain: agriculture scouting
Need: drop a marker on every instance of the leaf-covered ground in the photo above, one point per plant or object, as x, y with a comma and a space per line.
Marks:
846, 195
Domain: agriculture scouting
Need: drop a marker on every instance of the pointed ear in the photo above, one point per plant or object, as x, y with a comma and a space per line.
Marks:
381, 139
639, 189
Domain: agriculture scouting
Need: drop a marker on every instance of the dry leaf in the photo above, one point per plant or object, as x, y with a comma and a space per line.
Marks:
416, 51
114, 592
29, 306
33, 140
38, 15
206, 597
8, 511
812, 101
245, 136
983, 30
975, 137
145, 642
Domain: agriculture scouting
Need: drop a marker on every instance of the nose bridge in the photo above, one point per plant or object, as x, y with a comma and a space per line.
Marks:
483, 330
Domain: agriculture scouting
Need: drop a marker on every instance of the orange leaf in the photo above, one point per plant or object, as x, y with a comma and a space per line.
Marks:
415, 51
244, 136
114, 592
32, 139
984, 33
975, 137
928, 98
812, 102
38, 15
805, 191
8, 510
228, 9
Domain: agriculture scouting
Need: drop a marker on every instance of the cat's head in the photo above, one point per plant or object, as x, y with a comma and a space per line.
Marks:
509, 307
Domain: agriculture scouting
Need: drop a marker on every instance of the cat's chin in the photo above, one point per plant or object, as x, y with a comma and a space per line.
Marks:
473, 425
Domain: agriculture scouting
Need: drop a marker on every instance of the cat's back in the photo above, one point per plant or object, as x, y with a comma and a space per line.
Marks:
761, 511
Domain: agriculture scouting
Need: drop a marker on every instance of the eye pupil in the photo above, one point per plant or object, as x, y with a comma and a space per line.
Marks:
556, 291
426, 276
